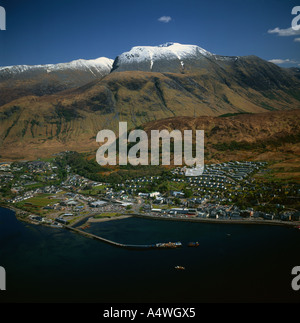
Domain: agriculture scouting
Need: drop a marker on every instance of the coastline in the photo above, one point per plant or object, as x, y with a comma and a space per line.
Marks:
14, 209
105, 219
222, 221
19, 214
89, 219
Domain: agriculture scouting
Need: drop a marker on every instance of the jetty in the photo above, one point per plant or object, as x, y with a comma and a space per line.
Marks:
122, 245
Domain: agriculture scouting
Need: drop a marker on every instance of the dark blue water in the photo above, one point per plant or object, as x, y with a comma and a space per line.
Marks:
234, 263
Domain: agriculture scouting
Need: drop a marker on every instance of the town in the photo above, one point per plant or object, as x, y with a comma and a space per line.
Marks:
53, 193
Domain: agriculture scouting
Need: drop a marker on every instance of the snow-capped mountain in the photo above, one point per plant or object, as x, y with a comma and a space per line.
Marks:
50, 108
39, 80
100, 65
178, 57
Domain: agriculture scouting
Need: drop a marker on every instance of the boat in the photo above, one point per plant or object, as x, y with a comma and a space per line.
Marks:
168, 245
193, 244
179, 267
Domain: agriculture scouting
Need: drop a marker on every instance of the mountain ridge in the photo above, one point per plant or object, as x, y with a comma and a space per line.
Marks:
76, 64
208, 85
22, 80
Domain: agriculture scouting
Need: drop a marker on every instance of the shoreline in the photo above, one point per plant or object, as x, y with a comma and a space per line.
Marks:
14, 209
105, 219
90, 219
221, 221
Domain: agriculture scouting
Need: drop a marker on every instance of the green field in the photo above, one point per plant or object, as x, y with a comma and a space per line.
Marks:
95, 190
39, 201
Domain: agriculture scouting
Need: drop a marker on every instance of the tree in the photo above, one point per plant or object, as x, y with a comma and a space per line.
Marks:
177, 201
187, 193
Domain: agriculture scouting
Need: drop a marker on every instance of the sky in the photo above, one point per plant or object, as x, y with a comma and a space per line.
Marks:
58, 31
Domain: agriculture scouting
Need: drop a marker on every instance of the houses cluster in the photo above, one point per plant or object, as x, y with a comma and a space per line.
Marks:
218, 184
39, 219
21, 196
134, 185
220, 175
216, 211
6, 178
35, 172
50, 177
5, 167
39, 166
77, 182
149, 195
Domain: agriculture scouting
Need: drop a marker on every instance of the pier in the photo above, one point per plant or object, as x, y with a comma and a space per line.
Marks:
121, 245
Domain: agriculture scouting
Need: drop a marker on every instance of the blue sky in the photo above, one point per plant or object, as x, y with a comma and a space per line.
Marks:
43, 31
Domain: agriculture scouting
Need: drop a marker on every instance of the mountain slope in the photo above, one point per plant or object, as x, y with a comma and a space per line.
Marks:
271, 136
191, 59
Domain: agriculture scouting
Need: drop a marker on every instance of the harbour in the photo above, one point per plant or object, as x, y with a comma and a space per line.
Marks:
232, 262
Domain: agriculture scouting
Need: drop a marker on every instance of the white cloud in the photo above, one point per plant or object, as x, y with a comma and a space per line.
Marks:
282, 61
165, 19
284, 32
297, 39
